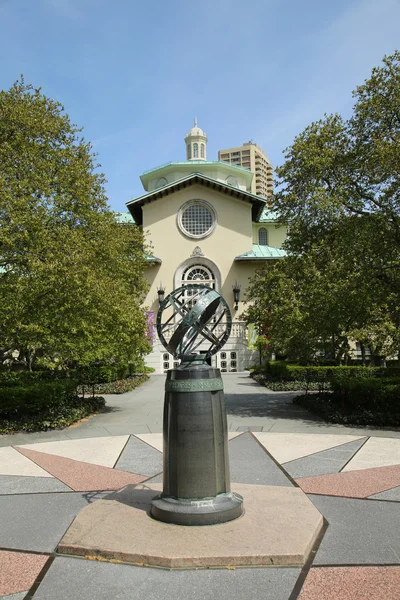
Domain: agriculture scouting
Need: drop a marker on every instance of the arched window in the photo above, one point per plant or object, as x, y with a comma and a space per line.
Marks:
202, 147
195, 151
262, 237
188, 152
197, 274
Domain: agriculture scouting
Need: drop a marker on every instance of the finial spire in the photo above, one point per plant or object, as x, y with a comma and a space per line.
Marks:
196, 143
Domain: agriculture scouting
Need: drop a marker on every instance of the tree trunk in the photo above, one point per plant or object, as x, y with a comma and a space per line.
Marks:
30, 355
362, 347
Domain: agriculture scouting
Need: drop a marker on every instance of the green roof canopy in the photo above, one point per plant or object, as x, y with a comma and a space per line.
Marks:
262, 253
257, 202
124, 217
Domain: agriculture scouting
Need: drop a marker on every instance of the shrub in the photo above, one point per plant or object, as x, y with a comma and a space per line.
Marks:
34, 398
88, 375
376, 394
13, 378
120, 386
284, 386
43, 405
358, 401
94, 374
285, 371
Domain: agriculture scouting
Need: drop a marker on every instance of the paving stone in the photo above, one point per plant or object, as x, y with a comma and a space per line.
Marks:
13, 462
278, 527
157, 479
37, 521
359, 532
352, 583
393, 494
322, 463
139, 457
286, 447
249, 463
353, 484
153, 439
12, 484
84, 580
15, 596
19, 570
376, 452
103, 451
249, 428
87, 432
82, 476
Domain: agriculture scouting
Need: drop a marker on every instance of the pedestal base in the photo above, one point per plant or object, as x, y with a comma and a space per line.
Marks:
279, 527
220, 509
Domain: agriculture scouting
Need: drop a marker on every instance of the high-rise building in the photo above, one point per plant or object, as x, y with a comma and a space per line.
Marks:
252, 157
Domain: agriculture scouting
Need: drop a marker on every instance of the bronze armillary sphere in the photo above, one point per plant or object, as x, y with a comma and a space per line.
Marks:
193, 317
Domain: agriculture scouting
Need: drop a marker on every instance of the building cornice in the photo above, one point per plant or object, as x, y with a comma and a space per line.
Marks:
135, 206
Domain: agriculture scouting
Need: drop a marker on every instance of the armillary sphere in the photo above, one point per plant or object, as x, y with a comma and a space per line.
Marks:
194, 317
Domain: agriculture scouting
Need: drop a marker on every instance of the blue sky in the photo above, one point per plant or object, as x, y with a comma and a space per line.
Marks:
134, 73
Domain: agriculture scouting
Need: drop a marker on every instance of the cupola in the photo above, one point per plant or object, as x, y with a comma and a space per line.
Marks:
196, 143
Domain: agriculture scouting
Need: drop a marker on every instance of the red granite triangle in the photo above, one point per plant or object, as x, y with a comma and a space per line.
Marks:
81, 476
18, 571
352, 583
353, 484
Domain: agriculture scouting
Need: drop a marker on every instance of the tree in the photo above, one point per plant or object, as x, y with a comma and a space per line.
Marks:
71, 278
337, 167
340, 193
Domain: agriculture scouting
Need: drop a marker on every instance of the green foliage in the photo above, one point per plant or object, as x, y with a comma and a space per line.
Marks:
71, 278
282, 376
118, 386
284, 385
43, 405
358, 401
287, 372
340, 192
16, 378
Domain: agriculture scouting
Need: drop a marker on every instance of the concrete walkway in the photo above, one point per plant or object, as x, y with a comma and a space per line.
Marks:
351, 476
249, 406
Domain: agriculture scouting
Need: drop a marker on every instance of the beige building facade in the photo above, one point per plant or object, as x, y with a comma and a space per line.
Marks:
250, 156
205, 225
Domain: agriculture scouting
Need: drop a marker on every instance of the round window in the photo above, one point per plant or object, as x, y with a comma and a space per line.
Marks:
196, 219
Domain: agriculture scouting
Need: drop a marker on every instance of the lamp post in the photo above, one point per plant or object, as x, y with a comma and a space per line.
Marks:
236, 294
161, 293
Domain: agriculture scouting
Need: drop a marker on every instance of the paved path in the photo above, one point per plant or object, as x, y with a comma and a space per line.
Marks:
353, 480
351, 475
249, 406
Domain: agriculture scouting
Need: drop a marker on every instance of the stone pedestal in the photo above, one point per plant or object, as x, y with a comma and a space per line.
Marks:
196, 489
279, 527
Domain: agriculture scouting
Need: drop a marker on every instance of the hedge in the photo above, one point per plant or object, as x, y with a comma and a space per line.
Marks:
374, 394
84, 375
44, 405
35, 397
40, 400
120, 386
288, 372
363, 401
283, 371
